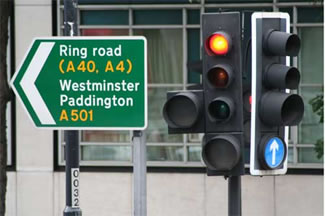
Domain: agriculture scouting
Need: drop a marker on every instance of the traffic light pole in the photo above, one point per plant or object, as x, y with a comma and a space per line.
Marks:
139, 174
234, 196
71, 137
72, 174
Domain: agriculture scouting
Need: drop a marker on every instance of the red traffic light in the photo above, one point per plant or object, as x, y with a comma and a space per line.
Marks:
218, 43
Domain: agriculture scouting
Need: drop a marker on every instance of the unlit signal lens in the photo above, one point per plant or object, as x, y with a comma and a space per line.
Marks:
220, 76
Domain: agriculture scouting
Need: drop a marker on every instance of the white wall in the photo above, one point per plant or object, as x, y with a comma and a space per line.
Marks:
35, 190
33, 182
168, 194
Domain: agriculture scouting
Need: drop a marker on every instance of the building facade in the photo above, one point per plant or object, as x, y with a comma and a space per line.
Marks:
176, 180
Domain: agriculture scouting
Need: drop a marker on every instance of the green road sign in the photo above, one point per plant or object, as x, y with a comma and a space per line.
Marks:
85, 83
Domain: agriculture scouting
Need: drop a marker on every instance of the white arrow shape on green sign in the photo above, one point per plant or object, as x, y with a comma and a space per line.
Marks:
29, 79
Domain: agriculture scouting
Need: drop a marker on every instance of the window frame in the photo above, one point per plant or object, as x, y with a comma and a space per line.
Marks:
202, 7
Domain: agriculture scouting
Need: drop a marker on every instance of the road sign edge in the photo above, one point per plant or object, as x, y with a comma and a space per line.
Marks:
48, 127
12, 80
145, 83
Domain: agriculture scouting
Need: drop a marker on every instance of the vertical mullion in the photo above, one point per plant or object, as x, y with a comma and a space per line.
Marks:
130, 21
131, 33
78, 21
275, 8
185, 80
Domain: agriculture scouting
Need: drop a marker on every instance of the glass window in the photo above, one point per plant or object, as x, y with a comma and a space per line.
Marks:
310, 15
104, 32
165, 55
311, 67
173, 42
310, 129
193, 56
288, 10
137, 1
193, 16
194, 153
89, 136
157, 17
106, 153
165, 153
104, 17
307, 155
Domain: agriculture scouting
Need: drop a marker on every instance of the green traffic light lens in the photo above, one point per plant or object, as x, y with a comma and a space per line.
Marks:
220, 110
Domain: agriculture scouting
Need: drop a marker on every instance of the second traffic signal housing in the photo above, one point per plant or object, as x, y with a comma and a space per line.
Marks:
273, 107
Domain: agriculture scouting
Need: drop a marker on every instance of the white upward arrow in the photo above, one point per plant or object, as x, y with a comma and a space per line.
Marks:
28, 83
274, 147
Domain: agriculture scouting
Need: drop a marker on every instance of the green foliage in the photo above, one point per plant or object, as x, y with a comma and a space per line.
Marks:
317, 104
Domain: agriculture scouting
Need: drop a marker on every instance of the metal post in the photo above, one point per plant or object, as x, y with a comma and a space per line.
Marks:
139, 174
72, 174
234, 196
71, 137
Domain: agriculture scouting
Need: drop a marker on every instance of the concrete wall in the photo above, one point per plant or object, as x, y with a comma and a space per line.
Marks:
31, 188
35, 190
36, 194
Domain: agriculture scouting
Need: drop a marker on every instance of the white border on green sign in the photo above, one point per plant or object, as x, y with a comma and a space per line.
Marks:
90, 38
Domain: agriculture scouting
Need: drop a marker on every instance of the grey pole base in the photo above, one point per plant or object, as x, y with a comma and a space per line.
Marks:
68, 211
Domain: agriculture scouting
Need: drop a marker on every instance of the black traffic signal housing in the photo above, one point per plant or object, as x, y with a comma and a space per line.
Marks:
222, 147
183, 111
273, 107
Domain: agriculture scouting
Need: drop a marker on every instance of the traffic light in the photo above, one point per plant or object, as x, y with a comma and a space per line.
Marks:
222, 147
183, 111
273, 107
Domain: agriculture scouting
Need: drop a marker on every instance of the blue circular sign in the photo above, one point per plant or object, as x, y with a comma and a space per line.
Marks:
274, 152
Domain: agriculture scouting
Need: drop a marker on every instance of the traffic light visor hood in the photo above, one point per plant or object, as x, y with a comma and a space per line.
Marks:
218, 43
182, 110
281, 43
281, 109
281, 77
